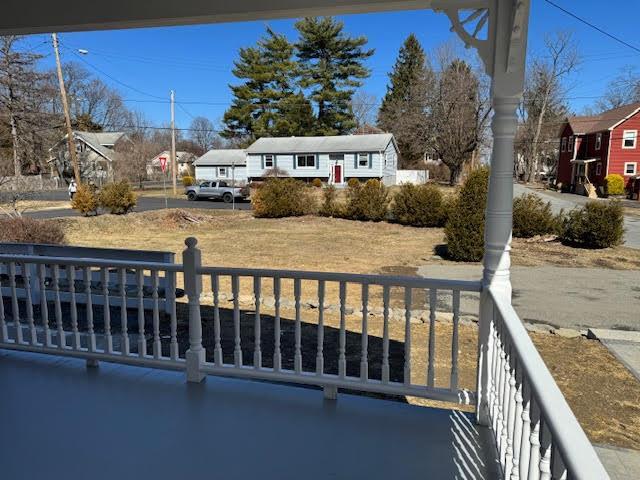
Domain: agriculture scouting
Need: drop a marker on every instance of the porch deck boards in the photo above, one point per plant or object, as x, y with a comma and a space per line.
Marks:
62, 420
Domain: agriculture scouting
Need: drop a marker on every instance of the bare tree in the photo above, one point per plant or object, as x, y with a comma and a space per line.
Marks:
364, 108
544, 102
622, 90
203, 134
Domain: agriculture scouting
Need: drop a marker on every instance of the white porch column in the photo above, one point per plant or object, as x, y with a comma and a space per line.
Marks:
509, 33
195, 355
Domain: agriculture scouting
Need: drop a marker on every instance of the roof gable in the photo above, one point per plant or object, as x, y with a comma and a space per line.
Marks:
603, 121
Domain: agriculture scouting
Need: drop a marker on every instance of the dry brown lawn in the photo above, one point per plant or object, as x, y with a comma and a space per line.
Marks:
602, 393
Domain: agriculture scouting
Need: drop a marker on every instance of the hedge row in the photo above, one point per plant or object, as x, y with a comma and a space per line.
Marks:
117, 198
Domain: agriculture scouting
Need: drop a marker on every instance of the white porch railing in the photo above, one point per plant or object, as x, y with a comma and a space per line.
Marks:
274, 338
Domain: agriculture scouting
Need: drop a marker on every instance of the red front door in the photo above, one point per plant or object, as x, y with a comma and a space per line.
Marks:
337, 174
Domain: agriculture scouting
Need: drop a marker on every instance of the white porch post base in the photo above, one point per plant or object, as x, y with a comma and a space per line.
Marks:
194, 359
330, 392
195, 355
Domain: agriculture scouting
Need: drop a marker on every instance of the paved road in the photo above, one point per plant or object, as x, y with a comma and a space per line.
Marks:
569, 201
144, 204
562, 297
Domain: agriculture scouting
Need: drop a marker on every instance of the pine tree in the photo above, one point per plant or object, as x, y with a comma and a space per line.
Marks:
403, 109
331, 65
267, 103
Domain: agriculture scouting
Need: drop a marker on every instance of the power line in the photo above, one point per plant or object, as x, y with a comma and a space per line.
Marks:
580, 19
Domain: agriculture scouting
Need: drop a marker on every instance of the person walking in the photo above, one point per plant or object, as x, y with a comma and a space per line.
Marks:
73, 188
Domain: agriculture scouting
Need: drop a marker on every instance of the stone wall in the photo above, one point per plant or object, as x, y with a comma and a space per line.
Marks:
29, 183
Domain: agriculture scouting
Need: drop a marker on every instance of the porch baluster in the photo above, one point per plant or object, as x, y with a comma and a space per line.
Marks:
62, 342
407, 335
155, 285
217, 348
106, 312
506, 402
257, 351
71, 277
26, 278
364, 354
454, 341
142, 342
511, 418
342, 358
123, 312
4, 333
298, 328
15, 309
431, 368
44, 307
237, 349
89, 309
558, 470
277, 354
320, 354
385, 334
545, 451
534, 441
518, 422
170, 294
525, 446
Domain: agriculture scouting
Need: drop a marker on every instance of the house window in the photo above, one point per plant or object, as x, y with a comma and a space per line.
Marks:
629, 138
222, 171
630, 168
563, 144
363, 159
570, 144
306, 161
598, 168
598, 141
336, 156
268, 161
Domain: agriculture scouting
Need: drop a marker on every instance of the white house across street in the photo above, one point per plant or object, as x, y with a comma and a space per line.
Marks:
332, 159
224, 164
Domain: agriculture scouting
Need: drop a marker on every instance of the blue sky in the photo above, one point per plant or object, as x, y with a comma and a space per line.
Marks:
196, 61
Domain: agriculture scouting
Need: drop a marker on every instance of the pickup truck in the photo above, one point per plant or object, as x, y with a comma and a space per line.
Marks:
216, 190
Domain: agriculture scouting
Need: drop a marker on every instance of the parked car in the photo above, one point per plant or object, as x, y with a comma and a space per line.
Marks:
216, 190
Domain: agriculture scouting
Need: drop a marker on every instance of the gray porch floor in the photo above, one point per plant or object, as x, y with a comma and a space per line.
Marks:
61, 420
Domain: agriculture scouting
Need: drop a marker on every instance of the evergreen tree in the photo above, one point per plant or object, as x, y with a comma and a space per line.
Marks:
267, 104
331, 66
403, 109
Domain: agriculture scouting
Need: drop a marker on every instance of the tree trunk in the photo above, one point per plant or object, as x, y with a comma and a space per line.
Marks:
454, 175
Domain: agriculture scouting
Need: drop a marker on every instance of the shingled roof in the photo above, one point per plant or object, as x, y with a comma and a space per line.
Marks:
603, 121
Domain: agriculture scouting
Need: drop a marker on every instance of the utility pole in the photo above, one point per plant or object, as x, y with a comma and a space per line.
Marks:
67, 117
174, 166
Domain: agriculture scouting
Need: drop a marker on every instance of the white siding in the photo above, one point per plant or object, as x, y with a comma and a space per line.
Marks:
211, 173
390, 165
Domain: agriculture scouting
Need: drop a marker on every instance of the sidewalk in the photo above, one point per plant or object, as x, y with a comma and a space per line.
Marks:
620, 463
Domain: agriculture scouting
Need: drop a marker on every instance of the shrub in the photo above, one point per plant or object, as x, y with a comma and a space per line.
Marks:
188, 180
464, 229
317, 183
614, 184
85, 200
353, 182
597, 225
118, 197
31, 230
367, 202
331, 207
531, 217
282, 197
419, 206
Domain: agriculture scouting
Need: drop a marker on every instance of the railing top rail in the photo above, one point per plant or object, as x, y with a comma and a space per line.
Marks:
91, 262
370, 279
577, 452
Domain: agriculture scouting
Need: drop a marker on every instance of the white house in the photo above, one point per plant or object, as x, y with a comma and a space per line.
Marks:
333, 159
184, 159
226, 164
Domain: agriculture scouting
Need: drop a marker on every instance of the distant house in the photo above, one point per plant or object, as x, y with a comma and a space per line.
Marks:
185, 161
592, 147
333, 159
222, 164
96, 154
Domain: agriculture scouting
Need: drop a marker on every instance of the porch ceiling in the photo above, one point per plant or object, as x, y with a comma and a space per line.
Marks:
61, 420
38, 16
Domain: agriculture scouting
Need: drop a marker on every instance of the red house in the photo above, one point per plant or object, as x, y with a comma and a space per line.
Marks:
592, 147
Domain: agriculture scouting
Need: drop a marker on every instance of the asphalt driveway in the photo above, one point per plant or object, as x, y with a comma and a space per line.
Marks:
569, 201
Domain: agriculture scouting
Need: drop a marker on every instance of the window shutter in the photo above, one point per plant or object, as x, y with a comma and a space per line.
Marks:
262, 162
275, 161
317, 161
356, 156
295, 161
370, 160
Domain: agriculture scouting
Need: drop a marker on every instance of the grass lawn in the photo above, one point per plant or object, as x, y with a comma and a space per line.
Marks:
602, 393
